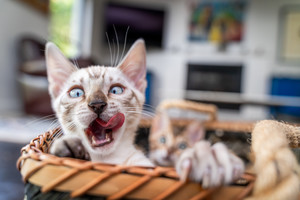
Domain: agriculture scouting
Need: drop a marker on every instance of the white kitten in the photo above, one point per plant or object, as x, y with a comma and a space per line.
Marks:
98, 107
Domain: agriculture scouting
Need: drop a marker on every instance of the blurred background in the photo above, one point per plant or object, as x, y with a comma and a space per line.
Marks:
242, 55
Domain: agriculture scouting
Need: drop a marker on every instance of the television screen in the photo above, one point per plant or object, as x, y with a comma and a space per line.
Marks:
144, 23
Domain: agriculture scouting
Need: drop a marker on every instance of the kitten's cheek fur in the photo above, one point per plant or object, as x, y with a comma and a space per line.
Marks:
86, 120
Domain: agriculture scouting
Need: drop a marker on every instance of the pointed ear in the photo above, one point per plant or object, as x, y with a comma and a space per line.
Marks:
160, 122
59, 68
194, 132
134, 65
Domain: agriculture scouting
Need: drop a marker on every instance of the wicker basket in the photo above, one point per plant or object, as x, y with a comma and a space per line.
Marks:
47, 176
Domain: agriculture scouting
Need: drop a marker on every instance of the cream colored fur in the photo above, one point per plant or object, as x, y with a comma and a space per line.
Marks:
274, 163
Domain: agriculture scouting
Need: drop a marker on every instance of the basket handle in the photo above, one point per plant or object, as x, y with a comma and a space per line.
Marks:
209, 109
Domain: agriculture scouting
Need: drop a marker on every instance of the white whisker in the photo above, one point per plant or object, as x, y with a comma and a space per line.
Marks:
114, 52
40, 125
147, 109
109, 49
117, 54
42, 119
141, 113
75, 63
149, 106
124, 45
54, 124
57, 135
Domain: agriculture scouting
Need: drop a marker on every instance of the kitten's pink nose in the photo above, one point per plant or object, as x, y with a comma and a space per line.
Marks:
98, 106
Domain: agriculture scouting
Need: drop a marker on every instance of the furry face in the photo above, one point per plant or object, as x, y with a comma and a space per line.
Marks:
100, 105
167, 142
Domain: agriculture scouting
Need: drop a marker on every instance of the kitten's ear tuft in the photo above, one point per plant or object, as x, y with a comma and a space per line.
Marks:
59, 68
194, 132
160, 122
134, 65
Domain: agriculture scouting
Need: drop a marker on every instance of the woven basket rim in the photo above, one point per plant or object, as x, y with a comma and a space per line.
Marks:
34, 153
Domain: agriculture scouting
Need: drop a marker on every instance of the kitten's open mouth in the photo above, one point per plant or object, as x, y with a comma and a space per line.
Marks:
100, 132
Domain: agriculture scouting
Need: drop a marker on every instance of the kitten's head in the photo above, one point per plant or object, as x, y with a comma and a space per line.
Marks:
167, 142
101, 105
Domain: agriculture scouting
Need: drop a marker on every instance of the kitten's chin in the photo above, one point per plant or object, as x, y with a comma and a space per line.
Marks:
157, 157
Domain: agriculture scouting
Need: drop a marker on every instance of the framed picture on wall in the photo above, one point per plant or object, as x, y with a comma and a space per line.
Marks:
216, 21
289, 35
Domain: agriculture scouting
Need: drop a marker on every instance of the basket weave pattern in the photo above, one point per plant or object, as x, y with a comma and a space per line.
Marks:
111, 181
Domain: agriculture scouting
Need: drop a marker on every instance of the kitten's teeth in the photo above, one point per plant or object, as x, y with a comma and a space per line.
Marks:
107, 138
93, 140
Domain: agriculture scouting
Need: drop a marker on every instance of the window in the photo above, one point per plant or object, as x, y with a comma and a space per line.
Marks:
65, 25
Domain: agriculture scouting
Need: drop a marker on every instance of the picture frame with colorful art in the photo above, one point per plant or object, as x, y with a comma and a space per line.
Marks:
216, 21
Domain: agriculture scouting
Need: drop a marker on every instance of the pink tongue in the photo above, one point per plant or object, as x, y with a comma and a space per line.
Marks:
113, 123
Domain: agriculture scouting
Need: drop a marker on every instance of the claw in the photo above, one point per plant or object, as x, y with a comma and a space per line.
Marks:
206, 180
186, 168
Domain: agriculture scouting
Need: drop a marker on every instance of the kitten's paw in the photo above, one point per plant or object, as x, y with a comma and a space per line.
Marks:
213, 165
69, 146
232, 165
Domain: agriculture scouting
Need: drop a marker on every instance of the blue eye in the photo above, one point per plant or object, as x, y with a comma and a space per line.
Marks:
182, 146
116, 90
76, 92
162, 139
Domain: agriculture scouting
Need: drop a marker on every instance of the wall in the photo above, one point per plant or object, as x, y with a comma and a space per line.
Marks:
257, 52
16, 20
261, 44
